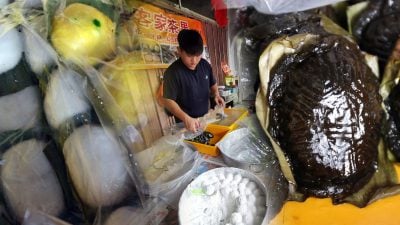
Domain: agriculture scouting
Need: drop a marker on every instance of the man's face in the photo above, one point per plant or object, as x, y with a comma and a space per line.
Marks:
190, 61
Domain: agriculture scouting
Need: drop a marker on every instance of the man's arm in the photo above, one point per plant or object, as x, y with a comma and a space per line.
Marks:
215, 94
191, 124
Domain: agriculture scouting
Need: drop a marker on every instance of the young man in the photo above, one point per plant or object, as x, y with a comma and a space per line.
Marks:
189, 82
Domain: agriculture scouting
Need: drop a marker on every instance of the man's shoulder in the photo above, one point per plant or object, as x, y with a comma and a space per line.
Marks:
176, 65
172, 68
204, 63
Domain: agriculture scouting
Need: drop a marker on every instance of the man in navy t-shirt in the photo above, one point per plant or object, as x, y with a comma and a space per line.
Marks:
189, 82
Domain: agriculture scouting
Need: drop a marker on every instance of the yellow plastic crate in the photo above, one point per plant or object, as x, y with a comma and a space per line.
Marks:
219, 132
234, 115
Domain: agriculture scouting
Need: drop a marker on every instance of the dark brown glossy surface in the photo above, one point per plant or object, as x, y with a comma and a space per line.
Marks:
326, 115
378, 27
393, 123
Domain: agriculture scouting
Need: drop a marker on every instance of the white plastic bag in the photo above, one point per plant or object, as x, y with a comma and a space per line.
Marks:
168, 166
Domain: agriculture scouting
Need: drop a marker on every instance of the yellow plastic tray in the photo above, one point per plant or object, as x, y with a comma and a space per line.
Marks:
219, 132
234, 115
315, 211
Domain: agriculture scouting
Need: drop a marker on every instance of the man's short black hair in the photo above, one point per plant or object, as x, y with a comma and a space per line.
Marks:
190, 41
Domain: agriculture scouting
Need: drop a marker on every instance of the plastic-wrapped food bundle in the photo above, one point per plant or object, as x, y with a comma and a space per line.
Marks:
18, 85
41, 169
11, 48
38, 53
24, 147
122, 78
98, 166
26, 114
83, 34
27, 166
65, 97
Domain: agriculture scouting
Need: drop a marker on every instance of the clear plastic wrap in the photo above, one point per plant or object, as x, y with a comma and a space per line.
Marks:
33, 176
154, 213
249, 137
40, 218
251, 30
67, 149
280, 6
25, 163
249, 149
77, 122
76, 126
168, 166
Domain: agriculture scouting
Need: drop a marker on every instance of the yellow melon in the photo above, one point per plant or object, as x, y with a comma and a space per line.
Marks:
83, 35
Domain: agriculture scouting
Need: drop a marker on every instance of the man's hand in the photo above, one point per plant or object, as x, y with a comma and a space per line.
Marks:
219, 101
191, 124
217, 98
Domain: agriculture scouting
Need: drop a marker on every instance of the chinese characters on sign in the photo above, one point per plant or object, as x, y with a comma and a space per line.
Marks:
159, 21
158, 31
157, 24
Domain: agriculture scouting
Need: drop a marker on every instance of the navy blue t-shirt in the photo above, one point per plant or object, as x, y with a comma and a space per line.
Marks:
190, 89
